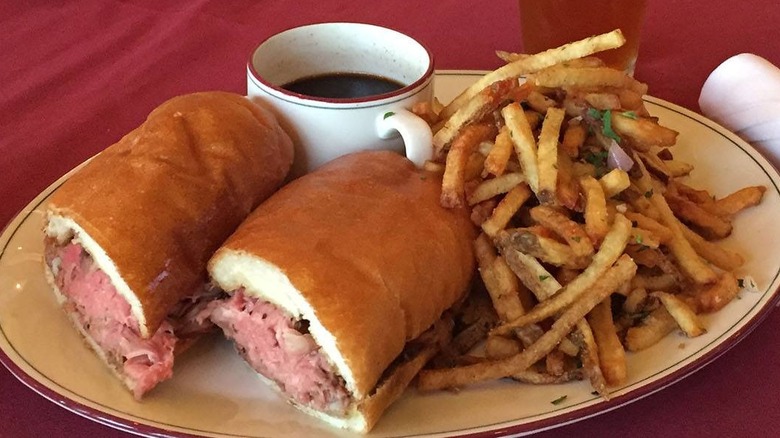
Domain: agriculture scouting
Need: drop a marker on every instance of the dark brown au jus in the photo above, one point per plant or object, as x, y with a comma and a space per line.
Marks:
343, 85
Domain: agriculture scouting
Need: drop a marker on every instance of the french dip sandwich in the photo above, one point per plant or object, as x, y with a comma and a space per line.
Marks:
338, 283
127, 237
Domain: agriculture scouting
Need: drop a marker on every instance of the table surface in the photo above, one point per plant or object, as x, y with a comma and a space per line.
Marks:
75, 76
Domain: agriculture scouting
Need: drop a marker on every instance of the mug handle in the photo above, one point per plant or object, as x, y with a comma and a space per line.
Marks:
417, 136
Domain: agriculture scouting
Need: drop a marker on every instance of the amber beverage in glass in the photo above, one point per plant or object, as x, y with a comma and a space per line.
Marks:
550, 23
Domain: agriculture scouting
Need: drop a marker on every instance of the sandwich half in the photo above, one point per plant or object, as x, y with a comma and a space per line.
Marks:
127, 237
340, 282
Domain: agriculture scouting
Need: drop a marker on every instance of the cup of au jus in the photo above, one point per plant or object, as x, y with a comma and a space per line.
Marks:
338, 88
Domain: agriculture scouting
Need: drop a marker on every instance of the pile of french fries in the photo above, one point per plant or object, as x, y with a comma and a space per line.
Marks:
592, 245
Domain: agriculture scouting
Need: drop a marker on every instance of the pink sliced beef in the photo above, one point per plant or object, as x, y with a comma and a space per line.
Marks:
282, 350
105, 315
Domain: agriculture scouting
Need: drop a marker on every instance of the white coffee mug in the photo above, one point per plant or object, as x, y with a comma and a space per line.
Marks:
323, 128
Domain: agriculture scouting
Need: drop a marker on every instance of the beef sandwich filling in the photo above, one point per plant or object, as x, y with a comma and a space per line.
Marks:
106, 318
281, 349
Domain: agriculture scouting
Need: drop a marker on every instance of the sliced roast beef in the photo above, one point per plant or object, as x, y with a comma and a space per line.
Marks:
106, 317
281, 349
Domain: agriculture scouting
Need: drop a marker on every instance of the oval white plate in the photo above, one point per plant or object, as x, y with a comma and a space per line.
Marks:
214, 394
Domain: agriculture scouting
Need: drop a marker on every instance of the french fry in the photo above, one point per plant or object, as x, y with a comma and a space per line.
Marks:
714, 297
652, 329
529, 334
528, 64
678, 168
574, 106
557, 77
655, 165
547, 155
568, 347
572, 232
624, 288
614, 206
614, 182
603, 101
585, 61
701, 197
635, 300
482, 211
612, 356
474, 165
427, 111
573, 137
484, 149
719, 256
582, 168
534, 118
500, 347
588, 61
711, 224
547, 250
499, 155
641, 203
591, 362
453, 182
555, 363
611, 249
456, 377
567, 275
656, 259
644, 238
567, 189
510, 56
646, 223
532, 274
683, 315
500, 282
524, 143
483, 104
689, 260
664, 282
539, 102
596, 225
494, 187
631, 100
505, 209
644, 132
741, 199
536, 378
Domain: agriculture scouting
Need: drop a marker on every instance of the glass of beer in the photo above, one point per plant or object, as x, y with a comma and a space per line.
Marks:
550, 23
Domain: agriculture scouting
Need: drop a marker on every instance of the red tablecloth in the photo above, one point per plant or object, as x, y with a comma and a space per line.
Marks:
75, 76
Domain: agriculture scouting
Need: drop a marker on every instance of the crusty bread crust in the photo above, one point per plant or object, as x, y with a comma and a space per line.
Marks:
398, 378
162, 199
362, 249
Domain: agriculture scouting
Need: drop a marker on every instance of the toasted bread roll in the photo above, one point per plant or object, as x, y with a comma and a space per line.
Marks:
128, 235
333, 276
